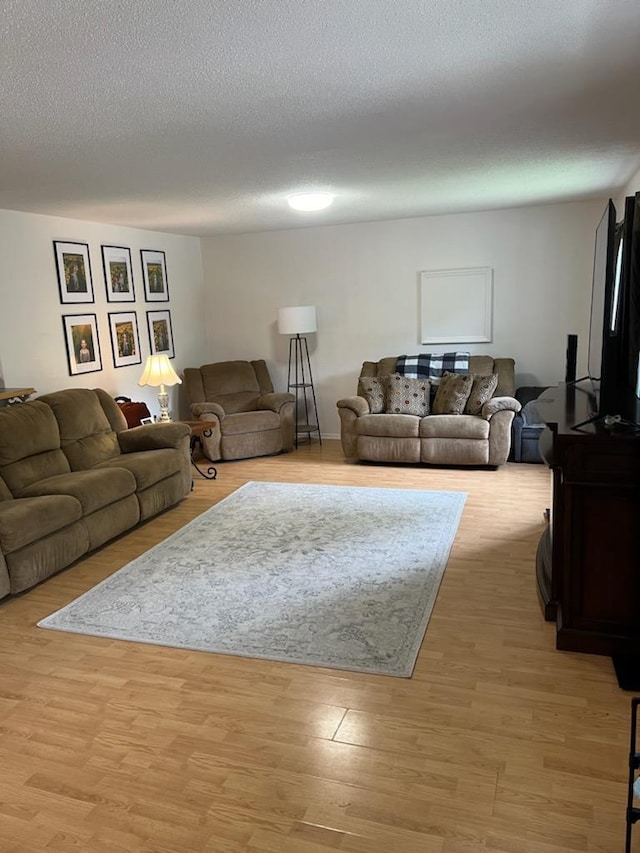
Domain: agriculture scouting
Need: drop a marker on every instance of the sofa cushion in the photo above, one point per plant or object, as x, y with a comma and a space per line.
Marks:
112, 410
374, 392
243, 422
25, 520
380, 448
112, 520
40, 559
243, 445
454, 426
453, 393
148, 466
483, 365
482, 390
87, 436
29, 445
379, 368
454, 451
407, 396
400, 426
232, 384
93, 489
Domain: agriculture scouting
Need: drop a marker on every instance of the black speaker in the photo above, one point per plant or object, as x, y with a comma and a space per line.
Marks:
572, 354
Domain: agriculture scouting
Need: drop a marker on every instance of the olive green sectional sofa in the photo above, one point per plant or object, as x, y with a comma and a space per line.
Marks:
434, 439
72, 477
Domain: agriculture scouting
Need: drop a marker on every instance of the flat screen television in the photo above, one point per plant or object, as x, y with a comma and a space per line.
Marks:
604, 324
613, 363
630, 277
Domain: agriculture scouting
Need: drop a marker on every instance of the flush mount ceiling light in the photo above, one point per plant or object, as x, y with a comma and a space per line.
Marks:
310, 201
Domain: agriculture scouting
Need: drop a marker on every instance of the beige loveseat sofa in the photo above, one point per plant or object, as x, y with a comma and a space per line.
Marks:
443, 439
247, 418
72, 476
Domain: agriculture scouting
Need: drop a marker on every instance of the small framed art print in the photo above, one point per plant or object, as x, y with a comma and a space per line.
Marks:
160, 333
74, 271
125, 341
118, 276
83, 347
154, 276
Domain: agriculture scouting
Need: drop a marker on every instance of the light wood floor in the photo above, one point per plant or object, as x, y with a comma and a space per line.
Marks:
498, 742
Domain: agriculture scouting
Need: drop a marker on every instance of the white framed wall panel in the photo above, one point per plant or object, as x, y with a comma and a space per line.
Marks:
456, 306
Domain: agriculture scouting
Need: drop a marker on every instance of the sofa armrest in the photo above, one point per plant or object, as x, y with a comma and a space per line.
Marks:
499, 404
516, 437
275, 401
153, 437
500, 436
358, 405
198, 409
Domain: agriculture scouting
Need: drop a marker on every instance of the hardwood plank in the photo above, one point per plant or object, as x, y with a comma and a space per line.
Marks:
497, 743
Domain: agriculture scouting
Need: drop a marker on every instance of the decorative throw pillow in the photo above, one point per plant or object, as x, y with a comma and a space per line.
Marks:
373, 390
407, 396
482, 390
453, 393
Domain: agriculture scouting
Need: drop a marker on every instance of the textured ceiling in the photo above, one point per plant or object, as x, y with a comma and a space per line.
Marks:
201, 116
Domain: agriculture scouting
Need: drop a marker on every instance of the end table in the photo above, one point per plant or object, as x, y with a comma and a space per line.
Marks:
198, 430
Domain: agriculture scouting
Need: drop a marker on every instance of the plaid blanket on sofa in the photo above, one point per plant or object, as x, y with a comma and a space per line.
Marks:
431, 366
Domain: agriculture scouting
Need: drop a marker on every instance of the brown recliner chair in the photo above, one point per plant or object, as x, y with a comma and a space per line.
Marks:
247, 417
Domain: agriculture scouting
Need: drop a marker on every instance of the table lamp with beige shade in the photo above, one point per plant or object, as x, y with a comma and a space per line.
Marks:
158, 372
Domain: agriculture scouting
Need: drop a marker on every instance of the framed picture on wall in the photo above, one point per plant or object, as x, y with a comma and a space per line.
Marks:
125, 340
456, 306
83, 346
74, 271
154, 276
160, 333
118, 275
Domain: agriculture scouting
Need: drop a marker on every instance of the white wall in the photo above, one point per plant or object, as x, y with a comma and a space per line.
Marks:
364, 281
32, 346
631, 189
363, 278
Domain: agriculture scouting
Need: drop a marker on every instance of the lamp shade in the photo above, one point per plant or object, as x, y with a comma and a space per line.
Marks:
158, 371
297, 321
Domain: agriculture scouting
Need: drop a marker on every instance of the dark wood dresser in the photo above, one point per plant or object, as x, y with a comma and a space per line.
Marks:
588, 560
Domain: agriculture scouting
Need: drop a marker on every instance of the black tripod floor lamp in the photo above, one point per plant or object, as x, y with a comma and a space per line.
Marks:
298, 322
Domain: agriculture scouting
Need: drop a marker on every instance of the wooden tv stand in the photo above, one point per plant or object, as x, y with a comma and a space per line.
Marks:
588, 559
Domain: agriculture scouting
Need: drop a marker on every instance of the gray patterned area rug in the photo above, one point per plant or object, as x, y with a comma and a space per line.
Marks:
333, 576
